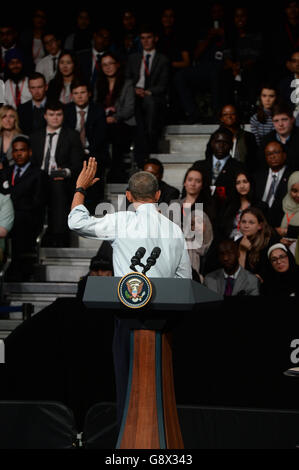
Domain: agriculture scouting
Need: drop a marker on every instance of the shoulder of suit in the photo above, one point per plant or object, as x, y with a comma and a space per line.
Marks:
214, 274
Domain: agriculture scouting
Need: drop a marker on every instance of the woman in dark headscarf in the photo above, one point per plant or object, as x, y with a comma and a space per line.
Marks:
281, 278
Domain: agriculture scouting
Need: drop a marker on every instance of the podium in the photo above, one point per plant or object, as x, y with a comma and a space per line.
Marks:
150, 419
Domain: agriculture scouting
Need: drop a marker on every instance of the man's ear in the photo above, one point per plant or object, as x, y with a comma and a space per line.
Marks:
157, 195
129, 196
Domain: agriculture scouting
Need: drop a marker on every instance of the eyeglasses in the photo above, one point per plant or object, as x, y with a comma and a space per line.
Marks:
279, 258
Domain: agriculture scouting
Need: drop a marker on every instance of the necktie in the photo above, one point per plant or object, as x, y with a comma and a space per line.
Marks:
147, 70
216, 170
95, 70
48, 154
54, 64
229, 286
82, 127
18, 95
17, 175
271, 191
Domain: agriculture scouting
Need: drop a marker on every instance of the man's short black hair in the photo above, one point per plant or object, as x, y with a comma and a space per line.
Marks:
36, 76
51, 33
77, 83
282, 108
147, 28
103, 264
54, 106
155, 161
22, 138
222, 130
143, 186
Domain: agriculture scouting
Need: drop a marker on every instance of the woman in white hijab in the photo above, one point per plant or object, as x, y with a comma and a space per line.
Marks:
289, 229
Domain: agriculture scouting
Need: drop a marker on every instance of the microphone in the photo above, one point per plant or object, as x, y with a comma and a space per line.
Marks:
135, 261
151, 260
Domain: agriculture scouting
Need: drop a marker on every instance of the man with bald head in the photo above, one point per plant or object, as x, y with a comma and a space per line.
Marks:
271, 182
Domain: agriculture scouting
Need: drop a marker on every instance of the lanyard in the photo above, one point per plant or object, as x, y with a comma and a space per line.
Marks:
13, 94
289, 217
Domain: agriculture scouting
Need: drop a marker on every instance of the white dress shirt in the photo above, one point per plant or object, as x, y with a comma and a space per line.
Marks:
128, 231
78, 122
141, 81
269, 182
10, 92
45, 66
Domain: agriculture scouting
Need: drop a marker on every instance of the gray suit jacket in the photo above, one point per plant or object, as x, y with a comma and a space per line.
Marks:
246, 283
125, 104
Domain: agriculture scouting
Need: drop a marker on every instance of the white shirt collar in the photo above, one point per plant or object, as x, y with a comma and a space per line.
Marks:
234, 276
57, 131
82, 109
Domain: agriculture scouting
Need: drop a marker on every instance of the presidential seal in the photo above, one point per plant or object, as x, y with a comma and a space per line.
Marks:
134, 290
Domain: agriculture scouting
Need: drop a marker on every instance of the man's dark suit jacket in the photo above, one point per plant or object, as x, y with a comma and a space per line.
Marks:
69, 151
159, 74
26, 116
168, 193
291, 147
275, 212
226, 177
95, 127
29, 197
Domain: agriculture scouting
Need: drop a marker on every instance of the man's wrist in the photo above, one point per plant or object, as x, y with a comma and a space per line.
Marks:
81, 190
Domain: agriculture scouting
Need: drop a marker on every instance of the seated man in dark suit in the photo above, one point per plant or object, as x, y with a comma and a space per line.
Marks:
271, 183
89, 119
59, 152
285, 132
220, 168
232, 279
168, 193
149, 72
31, 113
89, 59
27, 185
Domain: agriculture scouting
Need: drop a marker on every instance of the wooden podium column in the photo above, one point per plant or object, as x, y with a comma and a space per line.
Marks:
150, 419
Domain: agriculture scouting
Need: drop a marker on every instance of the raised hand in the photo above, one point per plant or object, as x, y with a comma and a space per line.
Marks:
86, 179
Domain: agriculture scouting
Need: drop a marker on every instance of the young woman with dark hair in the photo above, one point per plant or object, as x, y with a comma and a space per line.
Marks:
117, 95
261, 122
67, 72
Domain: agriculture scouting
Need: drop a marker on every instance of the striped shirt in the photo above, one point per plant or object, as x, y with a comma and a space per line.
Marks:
260, 129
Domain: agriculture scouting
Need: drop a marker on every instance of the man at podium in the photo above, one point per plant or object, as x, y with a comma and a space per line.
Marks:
128, 231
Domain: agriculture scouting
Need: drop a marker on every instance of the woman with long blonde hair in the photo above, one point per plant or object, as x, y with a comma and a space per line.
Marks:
9, 129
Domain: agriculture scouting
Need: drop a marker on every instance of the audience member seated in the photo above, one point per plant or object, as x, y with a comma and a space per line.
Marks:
168, 193
198, 241
27, 186
149, 72
261, 122
289, 228
116, 94
196, 190
9, 129
243, 63
67, 73
59, 152
89, 59
271, 183
288, 86
9, 40
285, 132
81, 38
244, 146
88, 118
31, 113
205, 73
220, 167
257, 237
16, 84
31, 38
242, 197
232, 279
284, 39
48, 65
173, 44
127, 35
6, 222
282, 274
98, 267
